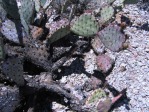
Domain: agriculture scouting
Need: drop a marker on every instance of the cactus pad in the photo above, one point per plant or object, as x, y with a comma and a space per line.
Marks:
2, 53
43, 2
85, 25
93, 100
2, 13
9, 31
58, 30
106, 14
11, 8
37, 5
112, 37
95, 96
26, 11
13, 69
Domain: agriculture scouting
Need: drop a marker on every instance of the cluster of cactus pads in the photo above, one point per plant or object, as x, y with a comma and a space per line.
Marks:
85, 25
92, 23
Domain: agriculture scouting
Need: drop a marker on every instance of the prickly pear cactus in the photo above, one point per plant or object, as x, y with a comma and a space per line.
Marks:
13, 69
85, 25
37, 55
37, 5
11, 8
58, 30
9, 98
112, 37
106, 14
2, 13
9, 31
95, 97
26, 10
2, 53
42, 2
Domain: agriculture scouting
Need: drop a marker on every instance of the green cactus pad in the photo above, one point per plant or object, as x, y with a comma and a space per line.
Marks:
43, 2
26, 11
96, 96
11, 8
58, 30
9, 31
112, 37
2, 53
85, 25
13, 69
37, 5
2, 14
106, 14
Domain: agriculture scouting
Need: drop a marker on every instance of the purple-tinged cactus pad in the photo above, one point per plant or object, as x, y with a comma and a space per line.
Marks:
112, 37
13, 68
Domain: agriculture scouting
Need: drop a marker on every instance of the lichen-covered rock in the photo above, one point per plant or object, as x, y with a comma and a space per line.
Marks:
104, 63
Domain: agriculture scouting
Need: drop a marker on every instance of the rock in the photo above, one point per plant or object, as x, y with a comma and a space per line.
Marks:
104, 63
9, 98
97, 45
36, 32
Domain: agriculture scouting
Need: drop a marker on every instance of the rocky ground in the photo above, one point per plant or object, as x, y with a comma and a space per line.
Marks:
79, 66
132, 65
131, 68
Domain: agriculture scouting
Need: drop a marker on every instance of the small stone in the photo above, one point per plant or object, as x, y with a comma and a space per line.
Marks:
36, 32
97, 45
104, 63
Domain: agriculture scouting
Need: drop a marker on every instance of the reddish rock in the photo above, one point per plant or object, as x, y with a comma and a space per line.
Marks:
104, 63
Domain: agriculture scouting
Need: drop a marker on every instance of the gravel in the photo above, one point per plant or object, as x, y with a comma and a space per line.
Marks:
131, 69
